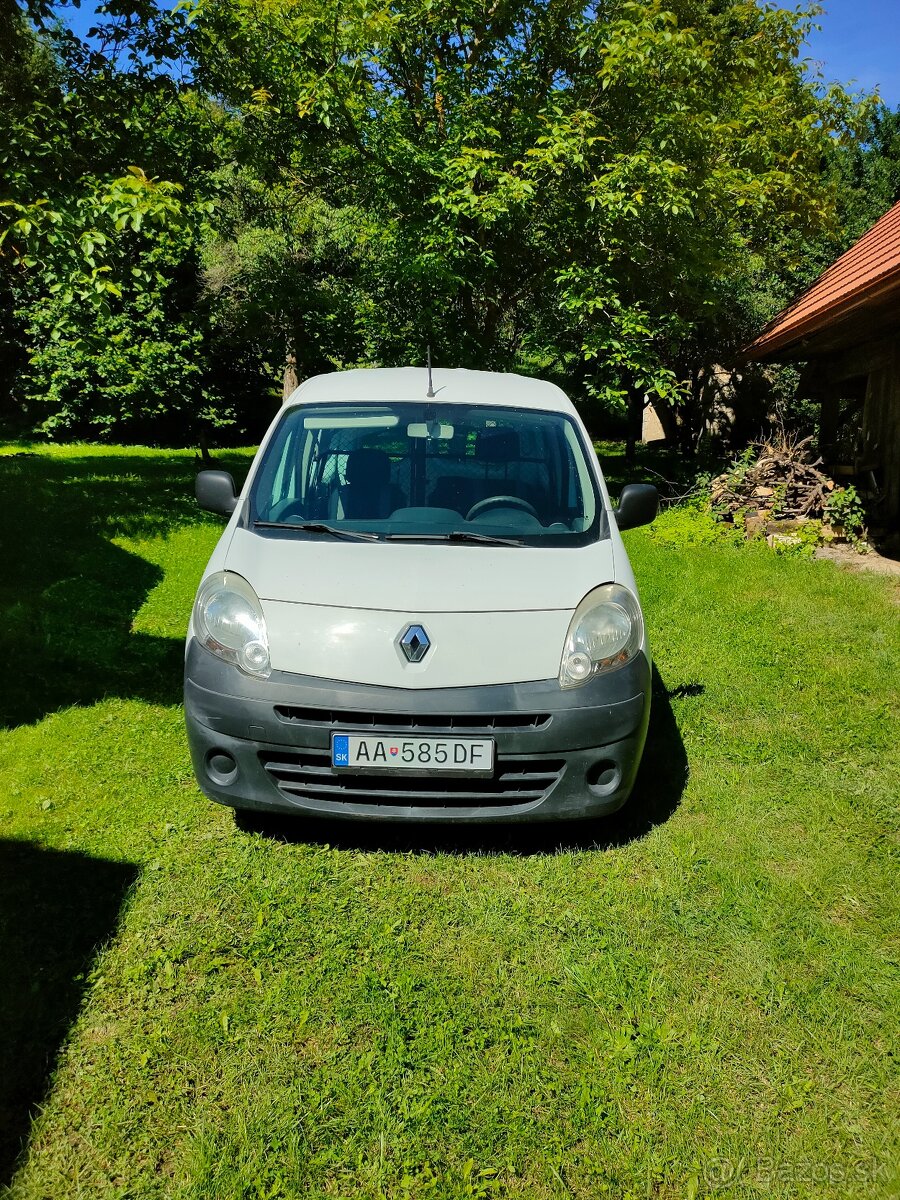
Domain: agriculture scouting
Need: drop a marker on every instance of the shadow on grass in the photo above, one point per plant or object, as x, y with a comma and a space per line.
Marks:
665, 467
68, 594
657, 793
56, 911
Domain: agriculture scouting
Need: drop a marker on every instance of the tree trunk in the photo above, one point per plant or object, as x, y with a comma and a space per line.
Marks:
206, 459
830, 420
291, 378
635, 420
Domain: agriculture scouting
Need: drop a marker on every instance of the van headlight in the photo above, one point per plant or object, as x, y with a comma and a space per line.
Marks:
229, 621
604, 634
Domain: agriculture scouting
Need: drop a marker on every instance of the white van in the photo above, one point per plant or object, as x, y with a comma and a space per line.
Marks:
421, 609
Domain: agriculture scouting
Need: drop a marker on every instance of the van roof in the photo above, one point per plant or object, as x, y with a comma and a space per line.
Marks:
451, 386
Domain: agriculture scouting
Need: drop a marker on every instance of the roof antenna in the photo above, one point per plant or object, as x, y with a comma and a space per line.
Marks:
430, 393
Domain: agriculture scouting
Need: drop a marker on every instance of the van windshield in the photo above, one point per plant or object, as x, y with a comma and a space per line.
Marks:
428, 472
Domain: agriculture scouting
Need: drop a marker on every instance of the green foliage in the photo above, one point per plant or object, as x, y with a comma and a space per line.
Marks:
540, 182
802, 540
692, 524
98, 256
282, 272
113, 344
741, 465
614, 197
845, 509
141, 372
80, 246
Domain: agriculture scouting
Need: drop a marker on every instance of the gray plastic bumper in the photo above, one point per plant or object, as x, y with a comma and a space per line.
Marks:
265, 744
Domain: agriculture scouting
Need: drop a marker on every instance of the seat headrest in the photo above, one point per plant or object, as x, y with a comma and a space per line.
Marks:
497, 445
368, 468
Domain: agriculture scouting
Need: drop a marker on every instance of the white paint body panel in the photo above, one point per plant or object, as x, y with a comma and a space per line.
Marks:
493, 614
450, 387
359, 645
416, 576
336, 609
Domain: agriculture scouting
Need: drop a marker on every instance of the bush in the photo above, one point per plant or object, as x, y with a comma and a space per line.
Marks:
693, 524
138, 374
845, 511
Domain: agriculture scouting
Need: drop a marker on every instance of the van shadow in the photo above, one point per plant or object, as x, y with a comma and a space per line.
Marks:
56, 911
657, 793
68, 594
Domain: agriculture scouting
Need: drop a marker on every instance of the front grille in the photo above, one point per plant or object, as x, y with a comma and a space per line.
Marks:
307, 774
337, 718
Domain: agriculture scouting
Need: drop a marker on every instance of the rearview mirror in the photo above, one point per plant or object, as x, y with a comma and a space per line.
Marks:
638, 505
215, 492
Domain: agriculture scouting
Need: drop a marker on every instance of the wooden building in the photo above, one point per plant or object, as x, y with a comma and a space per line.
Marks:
846, 330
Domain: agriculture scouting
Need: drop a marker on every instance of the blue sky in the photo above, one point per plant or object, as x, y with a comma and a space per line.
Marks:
859, 41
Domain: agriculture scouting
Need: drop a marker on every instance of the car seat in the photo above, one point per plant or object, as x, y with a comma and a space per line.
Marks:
368, 491
496, 450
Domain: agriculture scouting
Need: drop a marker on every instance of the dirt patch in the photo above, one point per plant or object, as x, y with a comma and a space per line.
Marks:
846, 556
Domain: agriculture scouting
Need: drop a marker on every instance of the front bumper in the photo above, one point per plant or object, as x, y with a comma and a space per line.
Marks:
265, 745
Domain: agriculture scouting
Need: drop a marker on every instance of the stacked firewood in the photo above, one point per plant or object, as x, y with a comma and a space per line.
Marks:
780, 482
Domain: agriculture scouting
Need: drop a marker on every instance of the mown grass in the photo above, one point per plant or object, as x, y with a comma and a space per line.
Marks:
708, 1006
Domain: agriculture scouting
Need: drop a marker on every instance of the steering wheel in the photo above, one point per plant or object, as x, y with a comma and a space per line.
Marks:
294, 509
500, 502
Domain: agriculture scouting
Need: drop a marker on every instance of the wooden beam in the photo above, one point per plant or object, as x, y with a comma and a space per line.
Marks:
828, 424
861, 359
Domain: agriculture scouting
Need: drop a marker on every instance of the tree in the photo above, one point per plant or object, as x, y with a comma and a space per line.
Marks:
564, 188
608, 195
282, 271
99, 253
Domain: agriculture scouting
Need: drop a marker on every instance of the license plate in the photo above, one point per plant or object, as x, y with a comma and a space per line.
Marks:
378, 754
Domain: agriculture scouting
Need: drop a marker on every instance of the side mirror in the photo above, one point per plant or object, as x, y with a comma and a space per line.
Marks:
215, 492
638, 505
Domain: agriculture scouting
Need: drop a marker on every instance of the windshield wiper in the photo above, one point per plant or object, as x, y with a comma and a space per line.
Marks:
460, 535
355, 535
457, 535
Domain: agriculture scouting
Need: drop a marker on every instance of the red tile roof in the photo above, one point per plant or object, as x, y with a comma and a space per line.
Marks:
865, 271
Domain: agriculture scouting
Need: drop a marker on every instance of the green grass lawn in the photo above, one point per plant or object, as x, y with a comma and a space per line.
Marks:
698, 998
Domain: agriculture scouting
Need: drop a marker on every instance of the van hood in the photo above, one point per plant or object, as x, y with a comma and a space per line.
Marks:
417, 576
492, 614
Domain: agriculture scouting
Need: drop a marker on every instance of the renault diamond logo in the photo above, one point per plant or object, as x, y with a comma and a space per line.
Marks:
415, 643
